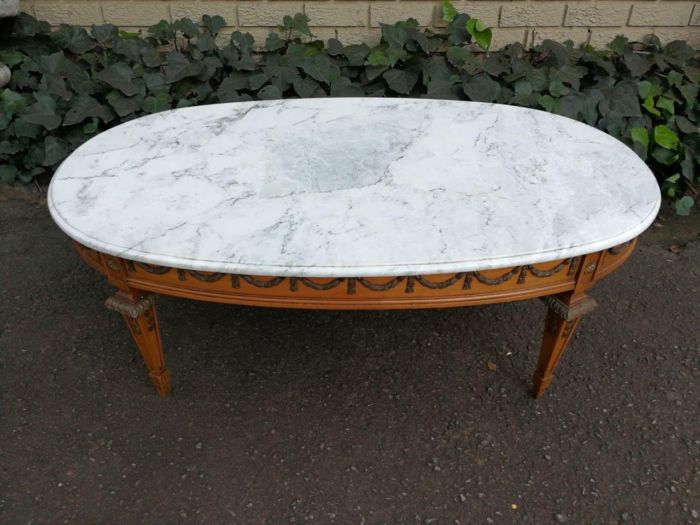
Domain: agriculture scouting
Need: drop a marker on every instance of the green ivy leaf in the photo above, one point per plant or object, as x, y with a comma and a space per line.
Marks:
122, 105
441, 88
157, 103
335, 47
637, 64
649, 106
52, 64
238, 80
11, 102
665, 137
684, 205
11, 57
377, 57
9, 148
243, 41
646, 89
78, 79
55, 150
395, 36
372, 72
84, 106
130, 35
90, 128
269, 93
227, 90
666, 104
482, 88
42, 112
301, 24
458, 55
23, 129
678, 53
641, 136
394, 54
674, 78
480, 32
449, 13
686, 126
622, 100
286, 25
274, 42
27, 26
400, 80
205, 42
664, 156
119, 76
104, 33
343, 87
178, 67
73, 38
522, 87
557, 88
187, 27
305, 87
457, 33
546, 101
570, 105
214, 24
689, 92
258, 80
320, 68
618, 45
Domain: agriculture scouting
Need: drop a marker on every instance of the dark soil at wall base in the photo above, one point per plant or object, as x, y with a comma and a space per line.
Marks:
282, 416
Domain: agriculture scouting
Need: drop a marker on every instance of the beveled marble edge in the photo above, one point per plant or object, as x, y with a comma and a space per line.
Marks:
360, 271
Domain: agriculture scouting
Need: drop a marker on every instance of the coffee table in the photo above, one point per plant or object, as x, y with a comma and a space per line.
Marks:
355, 203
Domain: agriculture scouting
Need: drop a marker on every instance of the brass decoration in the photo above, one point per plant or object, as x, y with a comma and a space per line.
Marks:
129, 309
569, 312
151, 268
236, 283
434, 285
591, 268
295, 283
206, 278
112, 265
498, 280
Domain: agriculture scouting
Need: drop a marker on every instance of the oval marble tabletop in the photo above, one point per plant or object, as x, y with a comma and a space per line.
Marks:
352, 187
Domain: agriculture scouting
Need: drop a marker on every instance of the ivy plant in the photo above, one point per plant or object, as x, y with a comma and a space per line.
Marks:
71, 83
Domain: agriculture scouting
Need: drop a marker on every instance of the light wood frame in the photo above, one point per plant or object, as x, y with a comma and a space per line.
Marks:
562, 284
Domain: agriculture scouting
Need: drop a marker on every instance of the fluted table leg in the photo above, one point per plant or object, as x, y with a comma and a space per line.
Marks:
139, 312
563, 315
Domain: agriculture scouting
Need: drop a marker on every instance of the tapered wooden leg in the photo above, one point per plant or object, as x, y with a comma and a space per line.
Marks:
139, 312
563, 315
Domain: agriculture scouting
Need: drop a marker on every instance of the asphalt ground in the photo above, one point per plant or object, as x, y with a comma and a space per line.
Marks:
291, 416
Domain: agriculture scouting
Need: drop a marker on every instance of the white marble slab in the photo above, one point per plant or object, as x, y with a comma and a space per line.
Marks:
352, 187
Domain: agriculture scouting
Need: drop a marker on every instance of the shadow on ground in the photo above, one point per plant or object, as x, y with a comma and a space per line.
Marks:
343, 417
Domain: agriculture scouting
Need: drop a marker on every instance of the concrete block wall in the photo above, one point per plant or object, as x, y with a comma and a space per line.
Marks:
354, 21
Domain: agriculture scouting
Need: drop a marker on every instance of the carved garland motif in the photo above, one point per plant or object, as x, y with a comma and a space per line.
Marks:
411, 281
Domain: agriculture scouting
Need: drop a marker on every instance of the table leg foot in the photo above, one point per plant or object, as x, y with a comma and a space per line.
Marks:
563, 315
139, 312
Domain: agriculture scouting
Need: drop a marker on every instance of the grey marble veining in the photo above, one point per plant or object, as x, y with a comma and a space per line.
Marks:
352, 187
